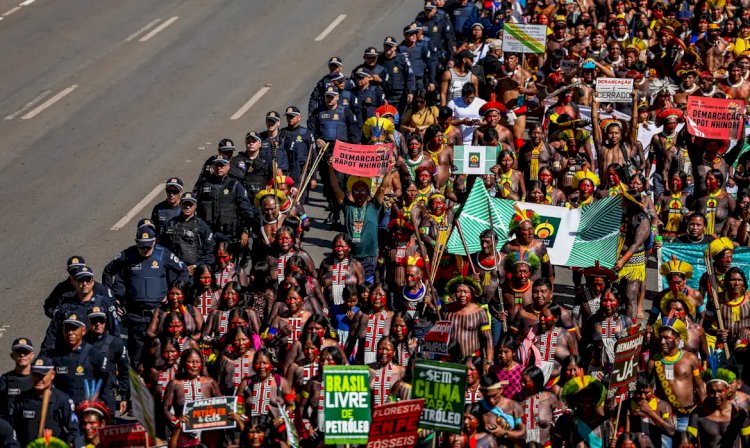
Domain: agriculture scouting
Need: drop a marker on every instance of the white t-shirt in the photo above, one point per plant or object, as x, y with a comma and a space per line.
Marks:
461, 110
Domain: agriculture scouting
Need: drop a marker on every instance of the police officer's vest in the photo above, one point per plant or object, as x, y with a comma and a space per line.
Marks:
256, 176
218, 207
333, 124
395, 78
349, 100
184, 239
164, 214
71, 371
146, 282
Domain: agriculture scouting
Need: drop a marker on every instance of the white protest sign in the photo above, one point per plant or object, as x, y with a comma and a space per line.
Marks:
614, 90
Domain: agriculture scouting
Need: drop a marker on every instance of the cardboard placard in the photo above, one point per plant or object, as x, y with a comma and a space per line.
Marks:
347, 404
362, 160
715, 118
443, 387
395, 424
132, 435
627, 351
436, 340
614, 90
521, 38
209, 414
474, 159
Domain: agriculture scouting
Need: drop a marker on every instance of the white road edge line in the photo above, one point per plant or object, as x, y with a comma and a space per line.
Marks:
36, 111
11, 11
245, 107
138, 207
153, 32
27, 3
142, 30
330, 28
28, 105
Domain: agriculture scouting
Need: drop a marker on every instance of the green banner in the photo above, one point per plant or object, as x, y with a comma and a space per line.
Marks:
443, 387
347, 404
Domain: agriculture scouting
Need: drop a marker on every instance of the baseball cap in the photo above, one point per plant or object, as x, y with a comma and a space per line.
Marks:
252, 135
146, 237
273, 115
292, 110
96, 312
188, 197
335, 61
429, 5
220, 160
371, 51
82, 272
74, 319
477, 24
332, 91
362, 73
176, 182
41, 365
412, 28
145, 222
496, 44
226, 144
390, 41
75, 260
22, 343
337, 77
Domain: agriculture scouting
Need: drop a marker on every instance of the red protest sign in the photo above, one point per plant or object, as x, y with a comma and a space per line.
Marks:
124, 436
436, 340
715, 118
362, 160
395, 424
625, 368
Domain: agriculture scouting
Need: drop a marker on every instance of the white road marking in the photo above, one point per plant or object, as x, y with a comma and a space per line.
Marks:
142, 30
330, 28
11, 11
28, 105
27, 3
245, 107
153, 32
36, 111
138, 207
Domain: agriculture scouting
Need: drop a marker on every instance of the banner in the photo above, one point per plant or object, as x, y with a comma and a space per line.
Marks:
210, 413
436, 340
627, 352
693, 254
443, 387
614, 90
474, 159
574, 237
395, 424
716, 118
142, 402
132, 435
347, 404
362, 160
520, 38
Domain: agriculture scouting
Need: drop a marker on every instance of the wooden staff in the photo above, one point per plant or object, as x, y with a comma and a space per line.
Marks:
497, 266
45, 406
713, 291
307, 164
466, 248
274, 168
427, 265
306, 181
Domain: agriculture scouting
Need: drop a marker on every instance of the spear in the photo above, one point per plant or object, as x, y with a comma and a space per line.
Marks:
497, 267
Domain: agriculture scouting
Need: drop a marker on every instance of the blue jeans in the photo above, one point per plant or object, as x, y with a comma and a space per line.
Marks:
368, 265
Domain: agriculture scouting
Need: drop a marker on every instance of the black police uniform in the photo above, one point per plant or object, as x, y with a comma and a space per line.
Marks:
190, 239
223, 204
316, 96
12, 385
398, 81
370, 99
257, 174
236, 169
8, 435
85, 363
72, 305
141, 284
66, 287
114, 349
162, 213
298, 142
61, 417
266, 148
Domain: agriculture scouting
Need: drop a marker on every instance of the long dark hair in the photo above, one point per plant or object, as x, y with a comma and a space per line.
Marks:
182, 366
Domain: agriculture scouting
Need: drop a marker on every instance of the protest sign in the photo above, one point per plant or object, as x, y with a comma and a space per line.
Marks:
614, 90
395, 424
209, 413
143, 402
474, 159
443, 387
715, 118
362, 160
436, 340
347, 404
521, 38
627, 351
132, 435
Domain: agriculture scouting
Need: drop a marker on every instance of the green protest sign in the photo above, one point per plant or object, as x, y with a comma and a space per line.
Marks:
347, 404
443, 387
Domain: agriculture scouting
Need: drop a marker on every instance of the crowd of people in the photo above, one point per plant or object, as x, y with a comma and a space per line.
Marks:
217, 297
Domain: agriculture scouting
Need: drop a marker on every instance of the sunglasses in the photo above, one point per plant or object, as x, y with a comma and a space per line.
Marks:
85, 280
173, 192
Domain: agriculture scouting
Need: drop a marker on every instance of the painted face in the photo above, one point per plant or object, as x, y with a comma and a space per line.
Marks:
399, 329
546, 178
194, 365
667, 340
522, 275
377, 299
471, 423
612, 177
676, 283
326, 359
492, 118
463, 295
437, 206
230, 298
341, 249
537, 196
585, 189
676, 184
293, 301
256, 437
175, 296
413, 276
609, 303
472, 374
716, 393
726, 259
525, 233
91, 425
679, 309
205, 279
636, 184
528, 384
223, 258
711, 183
286, 242
506, 163
316, 328
237, 322
170, 354
262, 367
596, 285
415, 147
386, 350
423, 178
241, 343
311, 352
176, 328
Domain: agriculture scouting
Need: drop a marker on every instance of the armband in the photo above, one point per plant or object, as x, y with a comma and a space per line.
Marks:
692, 431
485, 327
303, 217
701, 308
696, 372
745, 431
305, 394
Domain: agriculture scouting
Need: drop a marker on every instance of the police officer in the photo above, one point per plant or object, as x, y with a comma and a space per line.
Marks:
227, 149
258, 165
139, 276
114, 349
439, 30
80, 302
298, 143
271, 142
223, 203
347, 98
330, 123
335, 66
18, 380
60, 417
188, 236
78, 362
377, 71
370, 96
399, 79
68, 286
169, 207
418, 55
